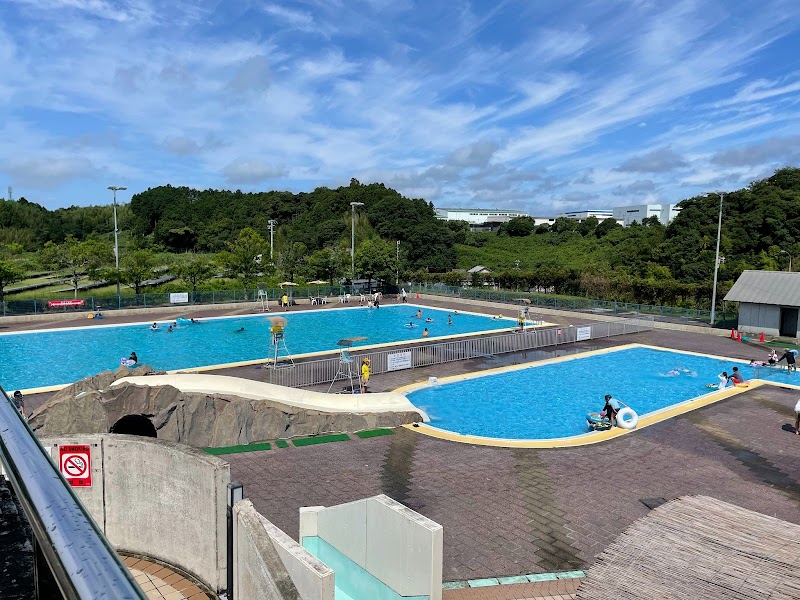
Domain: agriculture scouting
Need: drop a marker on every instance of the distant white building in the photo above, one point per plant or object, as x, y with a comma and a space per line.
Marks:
479, 216
582, 215
663, 212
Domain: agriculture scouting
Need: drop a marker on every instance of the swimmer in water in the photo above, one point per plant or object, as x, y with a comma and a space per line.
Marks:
154, 326
240, 330
429, 320
449, 320
419, 313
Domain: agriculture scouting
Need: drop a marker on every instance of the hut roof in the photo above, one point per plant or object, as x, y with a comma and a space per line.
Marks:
766, 287
699, 547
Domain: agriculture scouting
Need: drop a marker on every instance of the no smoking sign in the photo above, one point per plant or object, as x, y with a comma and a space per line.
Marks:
75, 463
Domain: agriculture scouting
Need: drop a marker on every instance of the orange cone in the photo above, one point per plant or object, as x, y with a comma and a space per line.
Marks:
733, 334
739, 335
417, 295
761, 339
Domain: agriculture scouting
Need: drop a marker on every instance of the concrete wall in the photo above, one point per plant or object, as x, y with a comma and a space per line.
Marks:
158, 499
269, 564
755, 318
400, 547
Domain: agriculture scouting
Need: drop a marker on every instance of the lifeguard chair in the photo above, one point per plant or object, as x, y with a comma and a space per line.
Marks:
262, 300
280, 350
346, 362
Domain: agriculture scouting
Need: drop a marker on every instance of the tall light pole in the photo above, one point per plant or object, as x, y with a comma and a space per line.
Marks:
397, 265
790, 259
114, 189
353, 239
716, 261
271, 223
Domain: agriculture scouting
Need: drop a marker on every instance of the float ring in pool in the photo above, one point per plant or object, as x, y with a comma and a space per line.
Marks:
631, 422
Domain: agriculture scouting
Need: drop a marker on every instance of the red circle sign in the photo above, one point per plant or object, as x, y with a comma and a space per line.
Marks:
74, 465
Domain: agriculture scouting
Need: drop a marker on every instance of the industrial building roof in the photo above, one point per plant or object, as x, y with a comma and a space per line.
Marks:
766, 287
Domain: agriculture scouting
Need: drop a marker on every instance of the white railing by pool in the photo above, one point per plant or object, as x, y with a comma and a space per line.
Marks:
315, 372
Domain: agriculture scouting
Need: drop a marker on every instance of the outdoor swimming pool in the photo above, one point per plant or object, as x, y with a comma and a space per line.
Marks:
552, 400
56, 357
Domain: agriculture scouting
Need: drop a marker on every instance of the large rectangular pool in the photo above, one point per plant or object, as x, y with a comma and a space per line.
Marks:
552, 400
62, 356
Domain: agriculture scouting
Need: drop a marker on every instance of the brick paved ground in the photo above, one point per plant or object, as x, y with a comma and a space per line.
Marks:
514, 511
518, 511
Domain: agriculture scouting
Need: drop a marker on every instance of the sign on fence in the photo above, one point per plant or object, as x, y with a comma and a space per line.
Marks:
53, 303
583, 333
179, 297
397, 361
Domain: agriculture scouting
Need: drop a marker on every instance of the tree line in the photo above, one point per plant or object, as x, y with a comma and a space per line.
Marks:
221, 232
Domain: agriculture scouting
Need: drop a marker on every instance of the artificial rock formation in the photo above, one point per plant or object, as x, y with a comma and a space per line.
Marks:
201, 420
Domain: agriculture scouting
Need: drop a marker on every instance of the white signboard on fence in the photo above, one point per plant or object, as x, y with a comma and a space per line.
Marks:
398, 361
584, 333
181, 297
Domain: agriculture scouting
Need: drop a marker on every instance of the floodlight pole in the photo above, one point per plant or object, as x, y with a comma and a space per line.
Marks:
397, 265
271, 223
353, 239
114, 189
716, 261
790, 259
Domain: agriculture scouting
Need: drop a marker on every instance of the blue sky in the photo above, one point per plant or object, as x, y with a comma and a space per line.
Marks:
539, 106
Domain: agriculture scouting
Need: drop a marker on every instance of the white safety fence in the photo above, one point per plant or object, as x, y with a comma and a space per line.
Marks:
315, 372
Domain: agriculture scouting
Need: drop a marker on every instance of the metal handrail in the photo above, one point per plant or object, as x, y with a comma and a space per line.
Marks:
83, 563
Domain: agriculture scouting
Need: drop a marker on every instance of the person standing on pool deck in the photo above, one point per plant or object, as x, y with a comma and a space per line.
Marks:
796, 418
364, 375
19, 403
403, 294
788, 355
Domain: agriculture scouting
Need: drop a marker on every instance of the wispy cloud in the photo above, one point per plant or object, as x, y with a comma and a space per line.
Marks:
460, 103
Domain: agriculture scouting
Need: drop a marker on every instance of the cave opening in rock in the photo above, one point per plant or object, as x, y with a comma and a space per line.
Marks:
135, 425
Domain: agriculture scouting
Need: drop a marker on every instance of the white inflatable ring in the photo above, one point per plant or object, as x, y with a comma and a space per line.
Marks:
631, 422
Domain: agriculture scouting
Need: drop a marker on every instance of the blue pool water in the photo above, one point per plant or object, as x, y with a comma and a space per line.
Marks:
29, 360
552, 400
351, 582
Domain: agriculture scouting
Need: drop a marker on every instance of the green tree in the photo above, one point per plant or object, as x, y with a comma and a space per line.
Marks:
292, 259
195, 271
9, 273
137, 267
244, 256
517, 227
78, 258
326, 264
375, 258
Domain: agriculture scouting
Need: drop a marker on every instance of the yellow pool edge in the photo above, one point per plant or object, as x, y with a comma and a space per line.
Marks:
593, 437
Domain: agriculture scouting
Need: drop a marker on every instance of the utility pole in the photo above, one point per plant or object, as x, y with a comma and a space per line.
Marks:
114, 189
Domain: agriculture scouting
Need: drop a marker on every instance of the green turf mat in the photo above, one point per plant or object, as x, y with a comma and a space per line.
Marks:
781, 345
321, 439
373, 433
281, 443
237, 449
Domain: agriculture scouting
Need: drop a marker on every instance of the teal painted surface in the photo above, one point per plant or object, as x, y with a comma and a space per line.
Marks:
352, 582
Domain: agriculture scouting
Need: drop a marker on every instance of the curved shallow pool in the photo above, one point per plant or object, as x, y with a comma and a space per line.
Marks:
551, 400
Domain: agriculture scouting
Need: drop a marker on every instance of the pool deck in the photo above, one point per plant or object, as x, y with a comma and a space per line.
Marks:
509, 512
